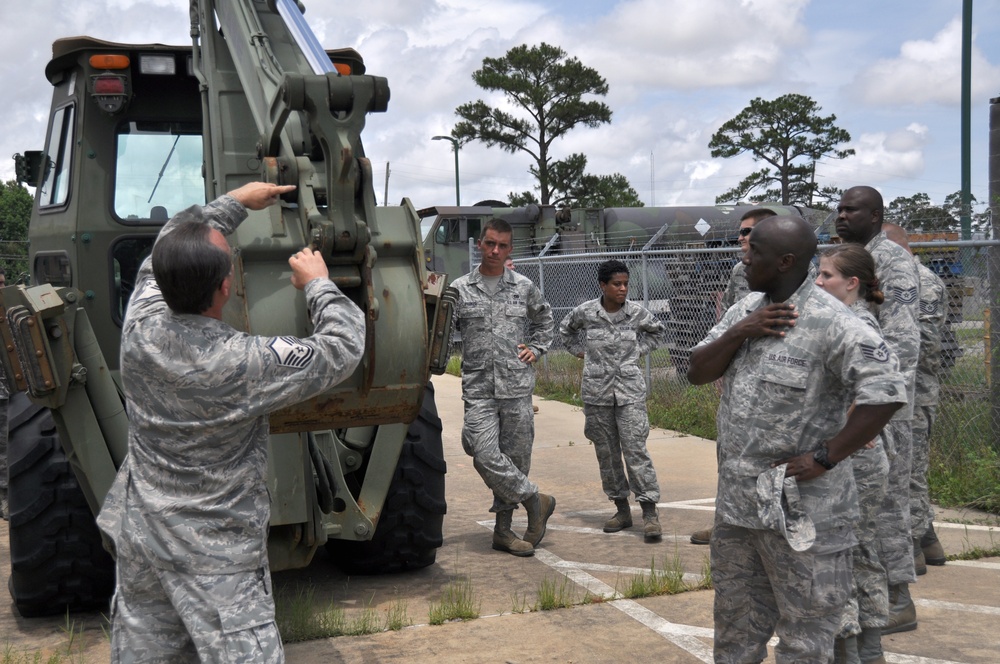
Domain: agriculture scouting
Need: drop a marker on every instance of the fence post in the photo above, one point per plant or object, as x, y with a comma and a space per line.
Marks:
541, 287
645, 291
993, 268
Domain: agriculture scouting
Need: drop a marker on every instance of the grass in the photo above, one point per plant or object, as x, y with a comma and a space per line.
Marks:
667, 579
68, 653
458, 602
298, 620
555, 594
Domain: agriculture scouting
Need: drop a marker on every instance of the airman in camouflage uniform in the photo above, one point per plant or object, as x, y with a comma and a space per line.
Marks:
505, 326
4, 397
932, 314
737, 288
189, 509
794, 359
612, 334
847, 272
859, 220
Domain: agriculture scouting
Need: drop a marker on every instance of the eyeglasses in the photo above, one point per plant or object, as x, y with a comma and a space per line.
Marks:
745, 231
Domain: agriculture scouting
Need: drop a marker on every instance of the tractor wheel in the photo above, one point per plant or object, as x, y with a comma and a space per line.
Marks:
409, 530
58, 563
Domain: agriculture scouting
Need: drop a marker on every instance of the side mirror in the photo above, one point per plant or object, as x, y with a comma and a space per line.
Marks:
28, 166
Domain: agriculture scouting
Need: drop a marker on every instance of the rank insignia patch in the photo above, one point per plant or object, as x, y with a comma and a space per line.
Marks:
290, 352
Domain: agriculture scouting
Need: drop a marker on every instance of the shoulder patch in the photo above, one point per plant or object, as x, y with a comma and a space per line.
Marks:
905, 295
878, 353
290, 352
928, 307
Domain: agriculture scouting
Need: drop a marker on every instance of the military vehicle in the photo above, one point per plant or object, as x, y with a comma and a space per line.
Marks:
138, 132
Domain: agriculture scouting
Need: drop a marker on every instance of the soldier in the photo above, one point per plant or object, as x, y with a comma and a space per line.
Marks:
189, 509
927, 550
847, 272
859, 221
612, 334
4, 397
794, 359
506, 326
736, 290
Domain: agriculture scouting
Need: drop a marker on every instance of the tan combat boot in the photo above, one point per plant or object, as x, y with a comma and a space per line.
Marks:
902, 612
933, 551
650, 523
504, 538
622, 518
870, 646
845, 651
540, 507
702, 536
919, 562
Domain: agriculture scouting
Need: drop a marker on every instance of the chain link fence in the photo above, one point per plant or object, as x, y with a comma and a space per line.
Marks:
683, 284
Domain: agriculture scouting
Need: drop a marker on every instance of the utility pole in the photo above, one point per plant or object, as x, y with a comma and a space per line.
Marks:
385, 197
454, 143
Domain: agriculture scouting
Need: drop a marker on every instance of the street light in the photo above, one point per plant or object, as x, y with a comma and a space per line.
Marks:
454, 143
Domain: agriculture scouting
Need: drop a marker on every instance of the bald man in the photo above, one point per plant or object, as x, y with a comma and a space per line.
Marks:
794, 359
859, 220
927, 550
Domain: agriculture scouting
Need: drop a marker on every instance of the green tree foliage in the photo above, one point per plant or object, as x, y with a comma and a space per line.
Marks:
917, 213
788, 135
546, 91
574, 187
15, 211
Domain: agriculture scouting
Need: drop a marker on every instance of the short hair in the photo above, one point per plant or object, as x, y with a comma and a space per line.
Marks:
498, 225
758, 213
3, 272
188, 268
610, 268
853, 260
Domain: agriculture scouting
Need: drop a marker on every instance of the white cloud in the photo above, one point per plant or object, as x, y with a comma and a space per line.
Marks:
683, 44
928, 71
879, 157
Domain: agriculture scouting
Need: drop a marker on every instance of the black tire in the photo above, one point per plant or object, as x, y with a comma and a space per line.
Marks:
490, 202
57, 560
409, 531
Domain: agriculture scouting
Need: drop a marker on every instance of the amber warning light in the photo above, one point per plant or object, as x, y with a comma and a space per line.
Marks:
108, 61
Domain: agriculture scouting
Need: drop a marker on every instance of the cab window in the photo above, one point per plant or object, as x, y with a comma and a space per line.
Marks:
54, 189
157, 171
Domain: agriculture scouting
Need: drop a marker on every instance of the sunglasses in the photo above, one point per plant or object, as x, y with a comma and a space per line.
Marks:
745, 231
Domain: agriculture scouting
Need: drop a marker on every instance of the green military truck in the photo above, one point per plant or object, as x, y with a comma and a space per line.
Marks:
138, 132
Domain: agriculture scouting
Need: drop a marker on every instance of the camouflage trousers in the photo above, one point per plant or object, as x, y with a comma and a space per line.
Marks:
498, 435
763, 587
921, 512
869, 603
619, 432
894, 535
3, 447
163, 616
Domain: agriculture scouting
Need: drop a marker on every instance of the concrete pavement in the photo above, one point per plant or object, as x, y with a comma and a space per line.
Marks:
958, 605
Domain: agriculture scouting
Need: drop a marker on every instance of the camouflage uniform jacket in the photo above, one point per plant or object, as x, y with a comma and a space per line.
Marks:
784, 396
611, 373
933, 313
738, 288
492, 326
193, 487
897, 316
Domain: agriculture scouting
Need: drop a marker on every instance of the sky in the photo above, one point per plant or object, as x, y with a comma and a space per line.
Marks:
676, 70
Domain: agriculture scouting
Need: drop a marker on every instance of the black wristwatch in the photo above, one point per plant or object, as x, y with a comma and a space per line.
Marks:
820, 457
